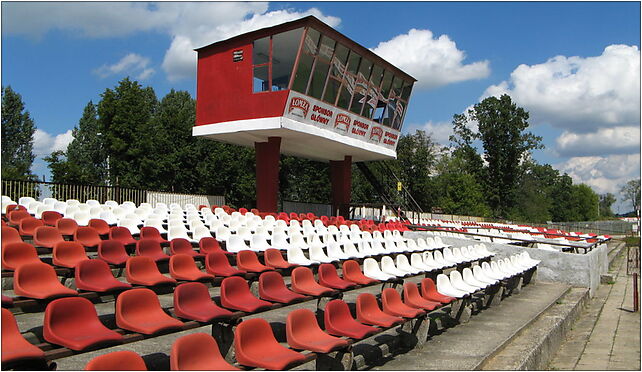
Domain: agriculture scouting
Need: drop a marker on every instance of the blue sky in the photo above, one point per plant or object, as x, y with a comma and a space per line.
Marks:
575, 66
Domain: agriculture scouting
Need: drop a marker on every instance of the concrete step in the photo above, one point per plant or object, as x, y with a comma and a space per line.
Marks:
468, 346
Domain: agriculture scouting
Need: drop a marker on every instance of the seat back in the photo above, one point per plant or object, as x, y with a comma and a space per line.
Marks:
67, 226
68, 253
112, 251
37, 276
249, 261
181, 265
274, 259
14, 345
234, 290
150, 232
87, 236
208, 245
197, 351
10, 235
117, 361
148, 247
18, 253
28, 225
100, 225
180, 245
120, 233
140, 267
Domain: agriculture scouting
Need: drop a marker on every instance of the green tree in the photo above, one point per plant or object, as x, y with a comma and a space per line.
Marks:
534, 201
606, 201
586, 202
304, 180
631, 192
17, 137
501, 129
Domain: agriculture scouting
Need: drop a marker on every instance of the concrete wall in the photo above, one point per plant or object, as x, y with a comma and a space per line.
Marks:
581, 270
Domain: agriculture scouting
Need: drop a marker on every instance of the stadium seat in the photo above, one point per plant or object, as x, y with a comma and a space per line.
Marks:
392, 305
192, 301
388, 267
122, 234
183, 246
339, 322
216, 263
68, 254
101, 227
50, 218
235, 294
152, 249
208, 245
404, 265
274, 259
46, 236
96, 276
183, 267
87, 236
429, 292
151, 233
197, 351
139, 310
117, 361
15, 216
412, 298
142, 270
10, 235
66, 226
352, 272
249, 261
458, 283
256, 346
371, 269
328, 277
272, 288
38, 280
113, 252
469, 278
368, 312
73, 323
303, 332
317, 254
15, 347
303, 282
27, 225
17, 254
479, 274
445, 288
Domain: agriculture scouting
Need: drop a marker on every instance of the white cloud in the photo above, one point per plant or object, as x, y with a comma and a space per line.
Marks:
617, 140
131, 64
45, 143
577, 93
603, 173
439, 131
432, 61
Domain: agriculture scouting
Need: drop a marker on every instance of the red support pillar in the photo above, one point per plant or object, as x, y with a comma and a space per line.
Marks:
341, 178
267, 174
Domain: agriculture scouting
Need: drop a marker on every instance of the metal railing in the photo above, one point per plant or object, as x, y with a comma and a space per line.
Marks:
40, 190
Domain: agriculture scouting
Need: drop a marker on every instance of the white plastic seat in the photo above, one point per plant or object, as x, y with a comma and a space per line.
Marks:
82, 218
155, 223
321, 229
46, 201
458, 283
445, 287
42, 208
109, 217
295, 255
378, 248
404, 265
390, 245
214, 224
469, 278
440, 243
333, 230
317, 254
344, 229
417, 261
258, 243
479, 274
449, 257
335, 252
412, 245
422, 245
490, 273
33, 206
388, 266
498, 272
130, 224
236, 244
439, 259
111, 203
371, 269
244, 233
365, 249
201, 232
315, 239
95, 211
527, 258
351, 250
458, 255
126, 204
298, 241
175, 232
396, 235
279, 241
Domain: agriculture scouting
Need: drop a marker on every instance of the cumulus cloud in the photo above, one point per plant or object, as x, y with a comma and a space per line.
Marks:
603, 173
617, 140
577, 93
131, 64
439, 131
45, 143
434, 62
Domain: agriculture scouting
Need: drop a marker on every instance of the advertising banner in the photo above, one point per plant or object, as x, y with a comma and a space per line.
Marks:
311, 111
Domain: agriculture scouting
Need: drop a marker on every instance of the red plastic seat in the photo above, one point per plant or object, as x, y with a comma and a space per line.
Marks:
10, 235
87, 236
138, 310
16, 215
100, 225
272, 288
150, 232
183, 246
50, 218
14, 346
412, 298
38, 280
249, 261
197, 352
96, 276
274, 259
47, 236
352, 272
217, 263
142, 270
67, 226
112, 252
73, 323
121, 234
28, 225
117, 361
368, 312
18, 253
392, 305
303, 332
192, 301
303, 282
339, 322
328, 277
429, 292
183, 267
68, 254
151, 249
235, 294
256, 346
209, 245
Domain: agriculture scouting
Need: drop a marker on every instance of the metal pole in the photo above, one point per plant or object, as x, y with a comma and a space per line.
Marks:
636, 298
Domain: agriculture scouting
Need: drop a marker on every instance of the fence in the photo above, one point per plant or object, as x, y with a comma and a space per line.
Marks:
40, 190
609, 227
